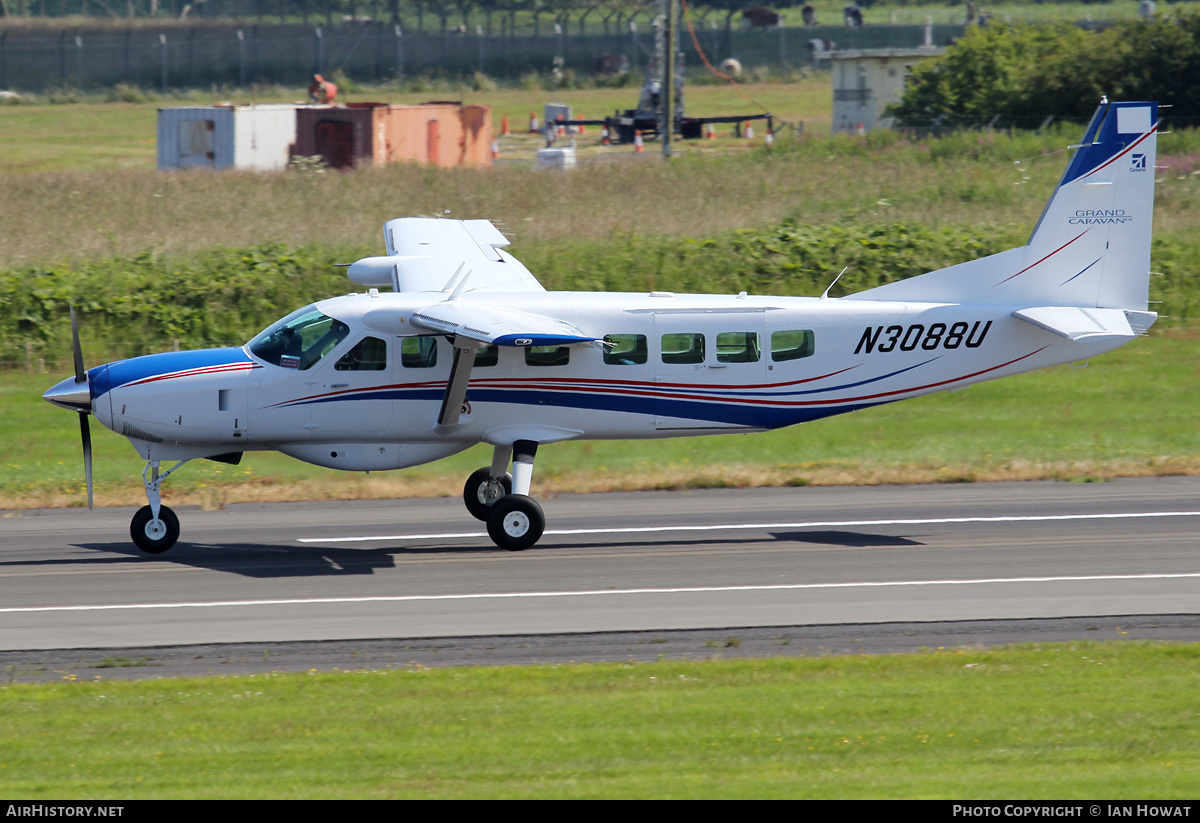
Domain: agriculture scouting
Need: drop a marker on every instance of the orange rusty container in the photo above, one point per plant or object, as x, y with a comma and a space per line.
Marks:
372, 134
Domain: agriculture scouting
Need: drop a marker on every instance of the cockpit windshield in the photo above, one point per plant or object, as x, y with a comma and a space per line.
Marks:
299, 340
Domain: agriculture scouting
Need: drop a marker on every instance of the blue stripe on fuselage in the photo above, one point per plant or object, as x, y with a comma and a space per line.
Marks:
728, 412
113, 375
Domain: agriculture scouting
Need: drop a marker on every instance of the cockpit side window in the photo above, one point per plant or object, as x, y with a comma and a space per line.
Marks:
300, 340
419, 352
369, 355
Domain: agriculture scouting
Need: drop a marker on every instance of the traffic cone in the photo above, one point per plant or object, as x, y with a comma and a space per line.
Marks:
534, 128
749, 132
504, 126
638, 147
495, 149
710, 132
769, 140
604, 140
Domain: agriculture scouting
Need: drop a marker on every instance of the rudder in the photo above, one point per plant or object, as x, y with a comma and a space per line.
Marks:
1105, 205
1091, 246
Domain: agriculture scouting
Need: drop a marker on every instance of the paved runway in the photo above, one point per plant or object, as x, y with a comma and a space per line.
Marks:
650, 561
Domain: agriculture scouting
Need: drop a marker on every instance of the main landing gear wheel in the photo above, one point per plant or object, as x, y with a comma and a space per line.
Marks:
154, 536
516, 522
481, 492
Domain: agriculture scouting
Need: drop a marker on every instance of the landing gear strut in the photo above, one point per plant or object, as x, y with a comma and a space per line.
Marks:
514, 519
155, 528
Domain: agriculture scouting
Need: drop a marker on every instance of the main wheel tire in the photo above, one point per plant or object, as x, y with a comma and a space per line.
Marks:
154, 536
516, 522
479, 495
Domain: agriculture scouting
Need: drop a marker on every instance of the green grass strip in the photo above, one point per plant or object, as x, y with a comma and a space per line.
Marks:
1072, 720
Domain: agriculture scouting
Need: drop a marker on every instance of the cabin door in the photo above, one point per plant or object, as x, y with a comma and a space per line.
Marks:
709, 365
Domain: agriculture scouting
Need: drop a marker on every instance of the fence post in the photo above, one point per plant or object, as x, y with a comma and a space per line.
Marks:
191, 59
241, 59
479, 37
633, 44
79, 61
782, 45
399, 54
162, 44
320, 48
3, 61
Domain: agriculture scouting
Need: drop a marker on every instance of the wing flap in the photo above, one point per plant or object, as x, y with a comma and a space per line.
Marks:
504, 327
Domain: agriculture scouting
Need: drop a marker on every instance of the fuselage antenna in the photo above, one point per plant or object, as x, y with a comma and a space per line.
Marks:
825, 296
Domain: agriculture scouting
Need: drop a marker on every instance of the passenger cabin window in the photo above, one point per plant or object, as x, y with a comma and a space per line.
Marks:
300, 340
625, 349
547, 355
369, 355
737, 347
792, 344
418, 352
683, 348
487, 356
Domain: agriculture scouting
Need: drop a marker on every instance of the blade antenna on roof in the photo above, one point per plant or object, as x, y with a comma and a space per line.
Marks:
825, 295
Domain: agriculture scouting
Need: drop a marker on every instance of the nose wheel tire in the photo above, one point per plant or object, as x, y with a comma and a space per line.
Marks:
481, 493
151, 535
516, 522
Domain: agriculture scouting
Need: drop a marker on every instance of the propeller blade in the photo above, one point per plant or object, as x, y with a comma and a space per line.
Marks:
85, 434
77, 350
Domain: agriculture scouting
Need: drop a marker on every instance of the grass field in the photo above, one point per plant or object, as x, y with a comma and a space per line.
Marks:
96, 135
1130, 413
1052, 721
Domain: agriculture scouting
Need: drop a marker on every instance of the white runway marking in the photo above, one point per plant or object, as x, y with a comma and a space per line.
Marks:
732, 526
604, 592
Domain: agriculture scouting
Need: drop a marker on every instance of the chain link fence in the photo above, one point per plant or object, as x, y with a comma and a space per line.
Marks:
233, 56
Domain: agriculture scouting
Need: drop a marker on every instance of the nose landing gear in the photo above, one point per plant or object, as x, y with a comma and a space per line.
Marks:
154, 535
155, 528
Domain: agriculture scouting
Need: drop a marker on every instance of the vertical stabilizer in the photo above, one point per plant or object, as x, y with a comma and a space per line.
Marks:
1091, 246
1105, 206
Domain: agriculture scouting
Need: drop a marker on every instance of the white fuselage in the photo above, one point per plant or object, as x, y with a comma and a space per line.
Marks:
693, 364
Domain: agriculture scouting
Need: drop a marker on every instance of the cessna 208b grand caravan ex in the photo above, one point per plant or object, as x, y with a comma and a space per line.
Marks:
469, 348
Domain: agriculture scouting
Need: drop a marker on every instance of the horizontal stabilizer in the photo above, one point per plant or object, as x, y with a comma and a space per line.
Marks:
505, 327
1080, 324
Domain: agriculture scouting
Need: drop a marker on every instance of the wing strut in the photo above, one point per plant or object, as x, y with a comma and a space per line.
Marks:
456, 386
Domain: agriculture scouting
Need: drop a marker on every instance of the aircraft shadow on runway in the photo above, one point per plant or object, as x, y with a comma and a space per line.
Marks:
257, 560
856, 540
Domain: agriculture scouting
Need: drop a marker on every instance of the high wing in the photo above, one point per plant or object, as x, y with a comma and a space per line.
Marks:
469, 325
459, 258
502, 326
430, 254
